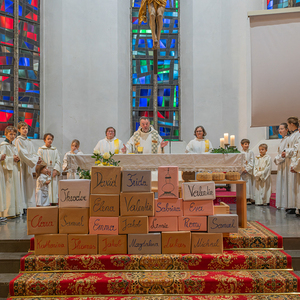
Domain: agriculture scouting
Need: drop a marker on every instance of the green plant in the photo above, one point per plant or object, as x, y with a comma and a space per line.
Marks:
224, 151
83, 174
105, 159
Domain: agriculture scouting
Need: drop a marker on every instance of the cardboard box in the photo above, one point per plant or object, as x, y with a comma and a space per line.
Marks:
222, 209
144, 243
105, 180
223, 223
204, 243
105, 205
168, 208
51, 244
74, 193
136, 181
74, 220
160, 224
176, 242
42, 220
129, 225
137, 204
198, 190
103, 225
167, 182
189, 223
198, 208
82, 244
112, 244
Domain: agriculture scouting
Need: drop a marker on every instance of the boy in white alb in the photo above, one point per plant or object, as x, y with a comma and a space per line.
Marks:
295, 169
74, 150
2, 188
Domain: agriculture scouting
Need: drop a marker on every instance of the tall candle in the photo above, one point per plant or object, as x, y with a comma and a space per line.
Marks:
225, 138
222, 142
232, 140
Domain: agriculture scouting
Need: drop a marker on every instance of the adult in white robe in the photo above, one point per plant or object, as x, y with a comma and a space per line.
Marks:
2, 186
199, 144
110, 143
248, 174
70, 174
295, 169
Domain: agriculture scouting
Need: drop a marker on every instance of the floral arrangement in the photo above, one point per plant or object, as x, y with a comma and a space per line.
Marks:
225, 150
105, 159
83, 174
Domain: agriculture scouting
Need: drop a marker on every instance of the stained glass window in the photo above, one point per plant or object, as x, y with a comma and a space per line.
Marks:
28, 66
273, 4
168, 99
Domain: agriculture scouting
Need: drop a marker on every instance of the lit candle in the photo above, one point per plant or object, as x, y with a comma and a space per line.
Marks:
222, 142
226, 138
232, 140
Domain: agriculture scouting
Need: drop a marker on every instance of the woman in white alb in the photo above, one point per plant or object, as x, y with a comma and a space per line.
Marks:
110, 143
199, 144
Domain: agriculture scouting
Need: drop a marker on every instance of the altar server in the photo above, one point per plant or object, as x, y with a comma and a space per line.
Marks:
199, 144
74, 150
42, 183
295, 169
2, 188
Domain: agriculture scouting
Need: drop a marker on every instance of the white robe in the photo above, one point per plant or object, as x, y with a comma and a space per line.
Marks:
29, 159
2, 187
262, 176
42, 197
295, 163
198, 146
14, 195
71, 174
51, 155
107, 145
248, 177
283, 174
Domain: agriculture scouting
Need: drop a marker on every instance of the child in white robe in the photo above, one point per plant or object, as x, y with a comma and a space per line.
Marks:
262, 175
2, 188
247, 174
50, 156
42, 182
74, 150
295, 169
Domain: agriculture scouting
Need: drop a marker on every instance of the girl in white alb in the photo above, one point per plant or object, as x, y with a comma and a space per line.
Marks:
199, 144
42, 182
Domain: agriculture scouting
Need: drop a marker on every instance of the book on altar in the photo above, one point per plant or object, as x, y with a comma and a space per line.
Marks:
42, 220
136, 181
168, 207
160, 224
74, 193
105, 205
176, 242
74, 220
133, 224
104, 225
198, 190
82, 244
205, 243
167, 182
144, 243
198, 208
51, 244
223, 223
191, 223
112, 244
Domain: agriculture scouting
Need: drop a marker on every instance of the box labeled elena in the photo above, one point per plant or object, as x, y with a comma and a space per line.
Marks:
137, 204
105, 180
198, 208
144, 243
176, 242
198, 190
112, 244
223, 223
51, 244
105, 205
129, 225
104, 225
205, 243
42, 220
136, 181
74, 193
190, 223
82, 244
74, 220
167, 182
160, 224
168, 208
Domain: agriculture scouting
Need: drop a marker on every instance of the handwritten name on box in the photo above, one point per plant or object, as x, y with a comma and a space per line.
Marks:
74, 220
136, 181
189, 223
198, 190
163, 224
105, 180
105, 205
137, 204
74, 193
51, 244
42, 220
168, 207
129, 225
176, 242
167, 182
112, 244
205, 243
104, 225
82, 244
223, 223
144, 243
198, 208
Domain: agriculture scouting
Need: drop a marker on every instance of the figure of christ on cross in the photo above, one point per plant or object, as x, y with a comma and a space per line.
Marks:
156, 10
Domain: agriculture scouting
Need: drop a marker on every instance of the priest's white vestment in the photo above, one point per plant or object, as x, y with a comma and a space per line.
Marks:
114, 146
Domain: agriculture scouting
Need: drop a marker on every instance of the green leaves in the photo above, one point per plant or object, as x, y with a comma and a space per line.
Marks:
227, 150
83, 174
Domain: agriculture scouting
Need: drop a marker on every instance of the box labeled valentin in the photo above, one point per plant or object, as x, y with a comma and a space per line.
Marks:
137, 204
136, 181
198, 208
190, 223
105, 180
104, 225
112, 244
205, 243
144, 243
82, 244
176, 242
51, 244
105, 205
168, 207
167, 182
74, 193
198, 190
74, 220
42, 220
163, 224
223, 223
129, 225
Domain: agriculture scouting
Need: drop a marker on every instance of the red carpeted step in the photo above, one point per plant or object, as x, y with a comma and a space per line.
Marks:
159, 282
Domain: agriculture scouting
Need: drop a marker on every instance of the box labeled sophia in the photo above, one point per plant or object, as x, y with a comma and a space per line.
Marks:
144, 243
198, 208
168, 207
51, 244
112, 244
137, 204
198, 190
74, 193
136, 181
163, 224
82, 244
190, 223
73, 220
176, 242
205, 243
223, 224
42, 220
133, 224
105, 180
104, 225
167, 182
105, 205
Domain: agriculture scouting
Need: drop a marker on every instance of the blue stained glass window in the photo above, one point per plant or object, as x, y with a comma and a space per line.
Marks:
167, 92
143, 102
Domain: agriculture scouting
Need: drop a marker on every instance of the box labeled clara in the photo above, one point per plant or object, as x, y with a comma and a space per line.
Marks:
163, 224
198, 190
168, 207
105, 205
104, 225
223, 223
136, 181
189, 223
82, 244
204, 243
74, 220
112, 244
51, 244
167, 182
128, 225
144, 243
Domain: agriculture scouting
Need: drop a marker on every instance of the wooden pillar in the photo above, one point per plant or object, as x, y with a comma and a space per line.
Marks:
16, 62
155, 89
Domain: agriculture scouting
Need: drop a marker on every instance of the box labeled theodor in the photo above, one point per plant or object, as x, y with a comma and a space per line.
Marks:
51, 244
74, 220
198, 190
167, 182
136, 181
105, 205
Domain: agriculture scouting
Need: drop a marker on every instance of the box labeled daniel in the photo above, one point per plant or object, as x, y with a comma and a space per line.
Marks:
74, 193
198, 190
105, 205
112, 244
137, 204
167, 182
136, 181
223, 223
144, 243
51, 244
73, 220
82, 244
204, 243
135, 224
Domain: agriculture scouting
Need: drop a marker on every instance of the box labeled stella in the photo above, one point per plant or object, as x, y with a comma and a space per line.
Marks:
74, 220
198, 208
105, 205
198, 190
176, 242
144, 243
129, 225
136, 181
82, 244
188, 223
104, 225
167, 182
112, 244
51, 244
205, 243
163, 224
168, 207
223, 223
